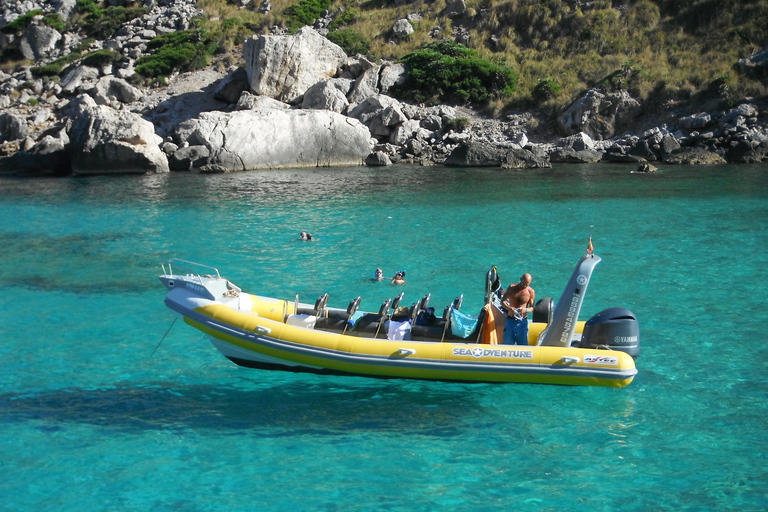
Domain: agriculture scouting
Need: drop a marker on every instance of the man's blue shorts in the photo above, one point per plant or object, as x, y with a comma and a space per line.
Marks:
516, 331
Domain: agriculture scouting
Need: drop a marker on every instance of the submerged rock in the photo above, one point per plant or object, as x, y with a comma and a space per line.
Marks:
645, 168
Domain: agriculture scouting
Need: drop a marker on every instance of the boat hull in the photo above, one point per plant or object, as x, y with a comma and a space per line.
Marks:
257, 342
268, 333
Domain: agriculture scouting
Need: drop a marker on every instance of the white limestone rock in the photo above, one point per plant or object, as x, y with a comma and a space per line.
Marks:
599, 115
274, 139
108, 141
284, 67
330, 94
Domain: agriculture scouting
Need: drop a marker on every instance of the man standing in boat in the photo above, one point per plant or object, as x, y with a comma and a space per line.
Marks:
518, 301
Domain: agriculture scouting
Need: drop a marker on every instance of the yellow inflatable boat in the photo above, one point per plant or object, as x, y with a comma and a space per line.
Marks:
412, 343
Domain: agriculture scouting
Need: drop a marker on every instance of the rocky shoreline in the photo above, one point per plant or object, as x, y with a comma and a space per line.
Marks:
300, 101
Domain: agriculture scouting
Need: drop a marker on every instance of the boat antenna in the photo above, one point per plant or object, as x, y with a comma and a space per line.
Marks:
164, 335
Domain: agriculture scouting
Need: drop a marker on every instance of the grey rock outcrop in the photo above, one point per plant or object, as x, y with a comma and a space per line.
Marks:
455, 9
284, 67
392, 75
65, 8
250, 101
378, 159
483, 154
273, 139
737, 117
38, 40
108, 141
599, 115
367, 82
522, 158
330, 94
696, 121
747, 152
572, 156
477, 154
48, 157
110, 87
12, 127
231, 87
402, 28
694, 156
184, 159
756, 65
645, 168
73, 78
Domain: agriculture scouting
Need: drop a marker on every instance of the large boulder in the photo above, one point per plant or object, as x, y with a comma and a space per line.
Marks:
284, 67
330, 94
12, 127
738, 116
110, 87
108, 141
747, 151
273, 139
477, 154
37, 40
696, 121
231, 87
250, 101
65, 8
402, 28
756, 65
74, 77
598, 114
694, 156
573, 156
366, 85
47, 157
521, 158
189, 157
392, 75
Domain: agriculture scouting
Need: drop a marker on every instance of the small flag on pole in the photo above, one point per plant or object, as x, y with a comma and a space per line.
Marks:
589, 247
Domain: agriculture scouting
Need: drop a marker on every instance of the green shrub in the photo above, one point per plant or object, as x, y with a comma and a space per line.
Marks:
351, 41
346, 18
450, 72
457, 124
184, 50
101, 58
20, 23
305, 13
54, 21
103, 23
544, 90
32, 101
55, 67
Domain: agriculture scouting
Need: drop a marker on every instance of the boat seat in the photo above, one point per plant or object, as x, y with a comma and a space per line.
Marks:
333, 320
367, 326
305, 321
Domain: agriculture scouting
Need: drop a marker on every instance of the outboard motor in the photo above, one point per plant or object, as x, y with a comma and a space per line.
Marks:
542, 311
613, 329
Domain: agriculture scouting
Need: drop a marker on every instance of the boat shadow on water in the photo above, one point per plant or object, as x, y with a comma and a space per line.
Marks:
287, 409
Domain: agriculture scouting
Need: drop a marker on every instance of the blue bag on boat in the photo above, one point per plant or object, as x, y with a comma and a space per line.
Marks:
354, 318
462, 325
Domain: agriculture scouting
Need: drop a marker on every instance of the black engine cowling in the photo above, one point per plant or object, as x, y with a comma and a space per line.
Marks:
542, 311
614, 329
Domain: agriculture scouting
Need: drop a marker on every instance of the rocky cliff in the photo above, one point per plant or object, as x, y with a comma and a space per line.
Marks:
299, 100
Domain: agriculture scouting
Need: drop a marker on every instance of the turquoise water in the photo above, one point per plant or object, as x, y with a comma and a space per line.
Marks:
97, 414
